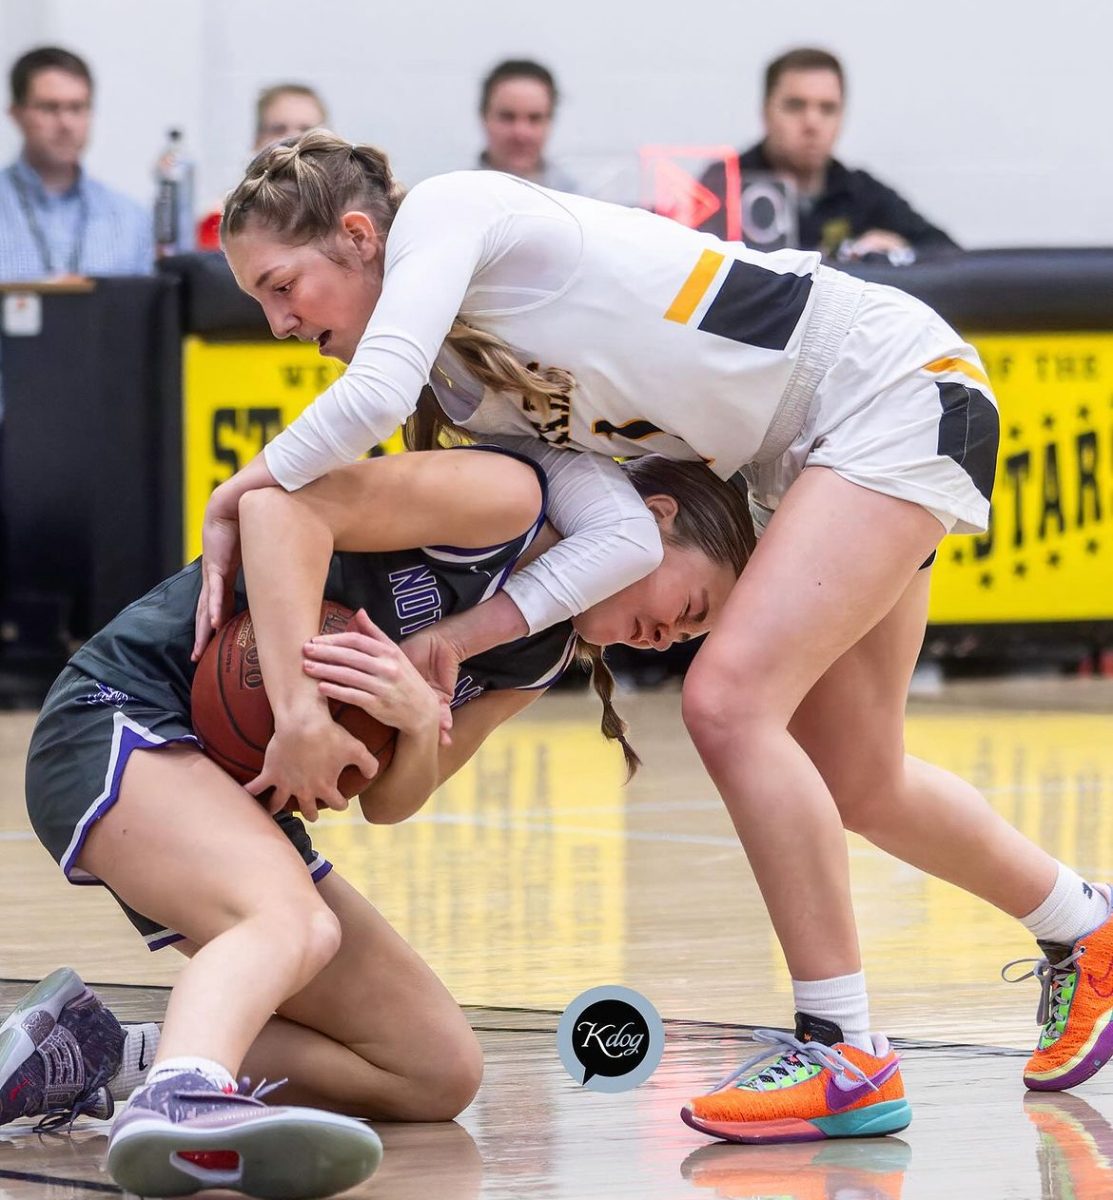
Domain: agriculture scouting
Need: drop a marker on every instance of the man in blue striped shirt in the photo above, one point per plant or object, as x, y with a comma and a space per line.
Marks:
55, 220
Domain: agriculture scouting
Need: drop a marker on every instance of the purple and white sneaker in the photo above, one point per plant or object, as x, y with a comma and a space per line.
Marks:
59, 1047
182, 1134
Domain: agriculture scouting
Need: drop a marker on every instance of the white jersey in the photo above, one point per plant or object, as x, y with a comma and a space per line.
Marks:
679, 343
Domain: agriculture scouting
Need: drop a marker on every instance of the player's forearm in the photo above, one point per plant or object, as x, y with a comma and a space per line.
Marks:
412, 776
492, 623
286, 556
226, 498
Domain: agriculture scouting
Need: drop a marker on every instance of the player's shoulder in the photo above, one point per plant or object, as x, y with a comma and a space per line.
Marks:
453, 186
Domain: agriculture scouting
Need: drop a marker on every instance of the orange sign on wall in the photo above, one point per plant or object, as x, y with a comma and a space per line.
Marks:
672, 185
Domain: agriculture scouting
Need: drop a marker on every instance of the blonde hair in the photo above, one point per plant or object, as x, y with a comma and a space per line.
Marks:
299, 189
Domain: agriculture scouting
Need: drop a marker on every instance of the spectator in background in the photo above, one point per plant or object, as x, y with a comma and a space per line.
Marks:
54, 220
287, 110
516, 105
844, 212
281, 110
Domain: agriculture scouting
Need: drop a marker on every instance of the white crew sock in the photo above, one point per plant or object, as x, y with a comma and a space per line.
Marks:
140, 1048
1073, 908
842, 1000
220, 1077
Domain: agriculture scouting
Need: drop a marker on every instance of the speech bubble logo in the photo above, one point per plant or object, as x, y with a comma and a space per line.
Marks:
610, 1039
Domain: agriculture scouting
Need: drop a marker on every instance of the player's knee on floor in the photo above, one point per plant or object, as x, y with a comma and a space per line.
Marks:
446, 1081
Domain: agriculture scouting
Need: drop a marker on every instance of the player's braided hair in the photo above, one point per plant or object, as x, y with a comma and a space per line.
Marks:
712, 516
300, 187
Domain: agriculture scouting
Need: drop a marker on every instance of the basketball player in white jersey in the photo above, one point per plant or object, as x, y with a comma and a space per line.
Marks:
866, 430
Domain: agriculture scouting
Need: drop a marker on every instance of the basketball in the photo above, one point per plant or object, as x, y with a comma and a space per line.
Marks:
232, 716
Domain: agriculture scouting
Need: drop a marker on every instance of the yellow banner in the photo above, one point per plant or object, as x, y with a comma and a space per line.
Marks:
1047, 554
235, 397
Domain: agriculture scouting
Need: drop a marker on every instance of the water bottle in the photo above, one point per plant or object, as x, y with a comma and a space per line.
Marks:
174, 198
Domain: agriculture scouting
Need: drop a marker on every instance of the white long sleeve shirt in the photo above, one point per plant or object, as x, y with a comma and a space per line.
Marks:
679, 344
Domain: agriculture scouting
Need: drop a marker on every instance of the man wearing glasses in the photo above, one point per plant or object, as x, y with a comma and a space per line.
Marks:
54, 220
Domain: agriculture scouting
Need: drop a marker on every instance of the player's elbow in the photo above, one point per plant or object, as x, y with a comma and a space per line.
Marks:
643, 537
379, 808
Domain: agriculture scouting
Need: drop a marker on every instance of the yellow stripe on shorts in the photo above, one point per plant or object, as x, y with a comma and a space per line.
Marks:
959, 365
695, 287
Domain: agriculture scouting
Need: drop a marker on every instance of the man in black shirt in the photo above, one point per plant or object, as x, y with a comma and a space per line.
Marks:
843, 212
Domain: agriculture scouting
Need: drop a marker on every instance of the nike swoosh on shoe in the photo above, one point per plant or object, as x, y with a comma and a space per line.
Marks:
840, 1097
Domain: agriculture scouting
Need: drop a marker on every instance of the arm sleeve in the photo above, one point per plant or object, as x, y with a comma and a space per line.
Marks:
439, 240
610, 539
891, 211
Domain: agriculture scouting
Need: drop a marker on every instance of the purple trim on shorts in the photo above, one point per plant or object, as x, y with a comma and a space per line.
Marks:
167, 939
159, 941
129, 741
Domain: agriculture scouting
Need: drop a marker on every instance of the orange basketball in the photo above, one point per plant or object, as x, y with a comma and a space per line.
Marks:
232, 716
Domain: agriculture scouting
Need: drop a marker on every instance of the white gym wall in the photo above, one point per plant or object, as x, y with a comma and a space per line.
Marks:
991, 116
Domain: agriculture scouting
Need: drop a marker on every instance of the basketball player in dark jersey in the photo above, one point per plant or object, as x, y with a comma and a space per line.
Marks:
292, 973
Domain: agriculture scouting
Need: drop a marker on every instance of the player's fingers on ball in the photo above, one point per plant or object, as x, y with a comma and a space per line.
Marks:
336, 800
343, 676
275, 800
356, 656
308, 807
326, 644
215, 582
365, 625
354, 696
259, 784
363, 622
201, 634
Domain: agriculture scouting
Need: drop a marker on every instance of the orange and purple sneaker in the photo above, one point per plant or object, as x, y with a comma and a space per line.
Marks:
817, 1086
1076, 1009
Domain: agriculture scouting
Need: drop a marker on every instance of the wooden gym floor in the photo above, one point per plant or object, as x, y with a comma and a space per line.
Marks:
534, 875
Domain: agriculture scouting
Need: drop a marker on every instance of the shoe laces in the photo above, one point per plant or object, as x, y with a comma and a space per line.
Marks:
1054, 979
791, 1054
63, 1064
88, 1102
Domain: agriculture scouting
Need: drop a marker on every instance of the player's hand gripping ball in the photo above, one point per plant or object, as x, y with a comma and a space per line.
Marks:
232, 716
